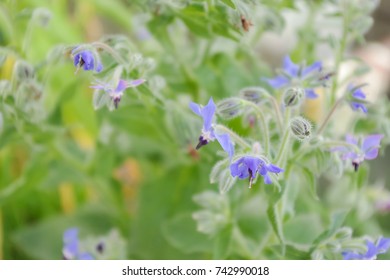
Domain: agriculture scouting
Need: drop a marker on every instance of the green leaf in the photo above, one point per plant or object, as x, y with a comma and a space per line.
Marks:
311, 182
276, 223
222, 243
230, 3
337, 221
181, 233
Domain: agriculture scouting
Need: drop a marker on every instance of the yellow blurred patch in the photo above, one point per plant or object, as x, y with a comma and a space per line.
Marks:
130, 177
83, 138
7, 68
67, 198
313, 109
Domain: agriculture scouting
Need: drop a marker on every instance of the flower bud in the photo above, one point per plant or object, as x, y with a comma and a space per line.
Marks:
333, 246
230, 108
343, 233
254, 94
292, 97
23, 71
300, 128
42, 16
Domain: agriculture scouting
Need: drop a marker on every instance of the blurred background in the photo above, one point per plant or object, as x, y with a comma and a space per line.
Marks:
129, 176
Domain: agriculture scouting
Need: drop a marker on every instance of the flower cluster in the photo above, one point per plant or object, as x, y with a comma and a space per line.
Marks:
89, 60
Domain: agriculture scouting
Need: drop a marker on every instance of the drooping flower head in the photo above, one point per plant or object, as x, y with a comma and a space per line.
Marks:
116, 93
382, 246
208, 134
86, 59
294, 75
250, 166
71, 250
368, 149
357, 98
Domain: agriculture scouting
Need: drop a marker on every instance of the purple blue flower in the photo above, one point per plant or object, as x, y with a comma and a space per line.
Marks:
86, 59
208, 134
382, 246
249, 167
357, 99
293, 73
116, 93
368, 149
71, 250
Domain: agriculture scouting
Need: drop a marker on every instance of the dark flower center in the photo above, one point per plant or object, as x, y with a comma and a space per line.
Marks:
201, 143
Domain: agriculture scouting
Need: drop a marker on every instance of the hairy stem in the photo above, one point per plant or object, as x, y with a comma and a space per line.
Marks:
236, 138
326, 121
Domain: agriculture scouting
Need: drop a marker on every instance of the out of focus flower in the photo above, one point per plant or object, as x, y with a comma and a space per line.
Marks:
116, 93
86, 59
382, 246
367, 150
295, 75
71, 250
249, 166
207, 113
357, 99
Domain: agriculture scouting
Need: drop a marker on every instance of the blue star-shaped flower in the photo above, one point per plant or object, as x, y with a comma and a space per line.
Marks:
367, 150
116, 93
249, 166
207, 113
293, 72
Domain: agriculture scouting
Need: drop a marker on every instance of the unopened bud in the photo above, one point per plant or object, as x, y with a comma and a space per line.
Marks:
300, 128
42, 16
343, 233
293, 97
254, 94
23, 71
333, 246
230, 108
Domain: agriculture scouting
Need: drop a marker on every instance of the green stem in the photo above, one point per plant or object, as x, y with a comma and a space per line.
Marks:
111, 51
325, 122
278, 113
339, 56
283, 147
263, 124
236, 138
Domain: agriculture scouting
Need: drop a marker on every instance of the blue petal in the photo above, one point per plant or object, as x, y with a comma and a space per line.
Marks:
122, 85
356, 106
316, 66
208, 114
359, 94
274, 169
371, 251
278, 82
290, 67
351, 139
88, 60
196, 108
371, 141
267, 179
239, 169
351, 256
383, 245
226, 144
85, 256
310, 93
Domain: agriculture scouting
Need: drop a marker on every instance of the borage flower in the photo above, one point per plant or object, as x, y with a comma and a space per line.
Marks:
357, 98
208, 134
367, 150
381, 247
115, 93
71, 249
294, 75
249, 166
86, 59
